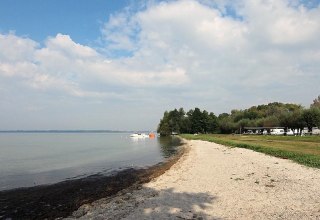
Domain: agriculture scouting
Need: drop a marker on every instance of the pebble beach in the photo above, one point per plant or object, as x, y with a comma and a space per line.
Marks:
211, 181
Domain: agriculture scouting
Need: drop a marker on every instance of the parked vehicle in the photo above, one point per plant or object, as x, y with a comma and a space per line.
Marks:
248, 132
305, 131
289, 132
277, 131
315, 131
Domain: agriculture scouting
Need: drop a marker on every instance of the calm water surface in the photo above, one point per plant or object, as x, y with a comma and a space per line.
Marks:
29, 159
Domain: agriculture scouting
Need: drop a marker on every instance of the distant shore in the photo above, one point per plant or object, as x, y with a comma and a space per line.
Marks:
212, 181
61, 199
63, 131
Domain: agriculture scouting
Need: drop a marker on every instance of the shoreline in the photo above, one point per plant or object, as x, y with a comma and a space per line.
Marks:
212, 181
62, 199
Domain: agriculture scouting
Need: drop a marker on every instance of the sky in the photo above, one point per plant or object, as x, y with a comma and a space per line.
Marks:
118, 65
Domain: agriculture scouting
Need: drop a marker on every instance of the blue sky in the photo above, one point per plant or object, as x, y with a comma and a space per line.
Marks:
39, 19
78, 64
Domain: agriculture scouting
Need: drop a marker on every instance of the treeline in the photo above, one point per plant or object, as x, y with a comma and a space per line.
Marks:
274, 114
194, 121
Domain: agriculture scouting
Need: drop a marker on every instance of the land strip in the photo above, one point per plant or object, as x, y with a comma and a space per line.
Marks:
304, 150
213, 181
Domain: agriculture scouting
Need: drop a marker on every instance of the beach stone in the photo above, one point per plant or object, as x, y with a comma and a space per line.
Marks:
79, 213
119, 201
207, 195
183, 215
83, 210
127, 196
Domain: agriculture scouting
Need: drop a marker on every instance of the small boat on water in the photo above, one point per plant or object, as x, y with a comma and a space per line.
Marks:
139, 135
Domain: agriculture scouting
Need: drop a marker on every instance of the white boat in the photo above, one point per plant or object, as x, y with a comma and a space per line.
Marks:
139, 135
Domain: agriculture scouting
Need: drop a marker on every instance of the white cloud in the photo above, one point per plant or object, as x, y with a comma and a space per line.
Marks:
65, 45
277, 22
16, 49
64, 65
191, 50
120, 32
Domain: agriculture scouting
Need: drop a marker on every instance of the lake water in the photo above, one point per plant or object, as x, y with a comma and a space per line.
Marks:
29, 159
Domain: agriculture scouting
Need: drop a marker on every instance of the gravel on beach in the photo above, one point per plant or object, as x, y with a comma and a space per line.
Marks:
211, 181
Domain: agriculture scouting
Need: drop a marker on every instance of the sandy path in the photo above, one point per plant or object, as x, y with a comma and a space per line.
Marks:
216, 182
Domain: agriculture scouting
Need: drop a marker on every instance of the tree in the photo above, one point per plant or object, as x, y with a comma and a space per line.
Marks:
316, 103
184, 121
197, 121
205, 121
163, 127
285, 119
174, 121
227, 126
311, 117
271, 121
271, 115
293, 120
296, 120
213, 123
243, 123
186, 125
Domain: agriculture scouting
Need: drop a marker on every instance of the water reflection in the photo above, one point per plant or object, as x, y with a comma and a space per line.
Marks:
169, 145
52, 157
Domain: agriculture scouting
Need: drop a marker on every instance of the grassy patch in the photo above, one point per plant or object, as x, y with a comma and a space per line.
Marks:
303, 150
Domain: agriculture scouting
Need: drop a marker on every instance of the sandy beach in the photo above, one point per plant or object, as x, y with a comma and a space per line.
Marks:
211, 181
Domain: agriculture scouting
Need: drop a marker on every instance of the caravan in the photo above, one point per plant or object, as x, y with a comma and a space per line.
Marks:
290, 132
277, 131
315, 131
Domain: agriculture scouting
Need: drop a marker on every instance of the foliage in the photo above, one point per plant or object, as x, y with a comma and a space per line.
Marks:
194, 121
316, 102
173, 121
271, 115
275, 114
312, 117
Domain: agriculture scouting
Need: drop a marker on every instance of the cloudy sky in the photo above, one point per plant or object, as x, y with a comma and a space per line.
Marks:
120, 64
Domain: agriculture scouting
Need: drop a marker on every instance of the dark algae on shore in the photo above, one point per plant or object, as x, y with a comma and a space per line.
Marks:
61, 199
58, 200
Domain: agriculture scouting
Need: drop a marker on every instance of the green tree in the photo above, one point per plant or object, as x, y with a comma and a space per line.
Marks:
163, 127
213, 123
205, 121
311, 117
274, 114
296, 120
197, 121
184, 121
227, 126
174, 121
271, 121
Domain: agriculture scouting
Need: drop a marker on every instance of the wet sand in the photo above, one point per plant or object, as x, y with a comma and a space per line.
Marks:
212, 181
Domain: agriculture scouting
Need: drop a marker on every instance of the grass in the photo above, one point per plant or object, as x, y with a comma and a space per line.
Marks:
303, 150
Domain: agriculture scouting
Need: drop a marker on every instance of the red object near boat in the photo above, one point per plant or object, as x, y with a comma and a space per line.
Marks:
152, 135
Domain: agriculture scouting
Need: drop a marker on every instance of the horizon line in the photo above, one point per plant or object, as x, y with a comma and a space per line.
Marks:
66, 131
